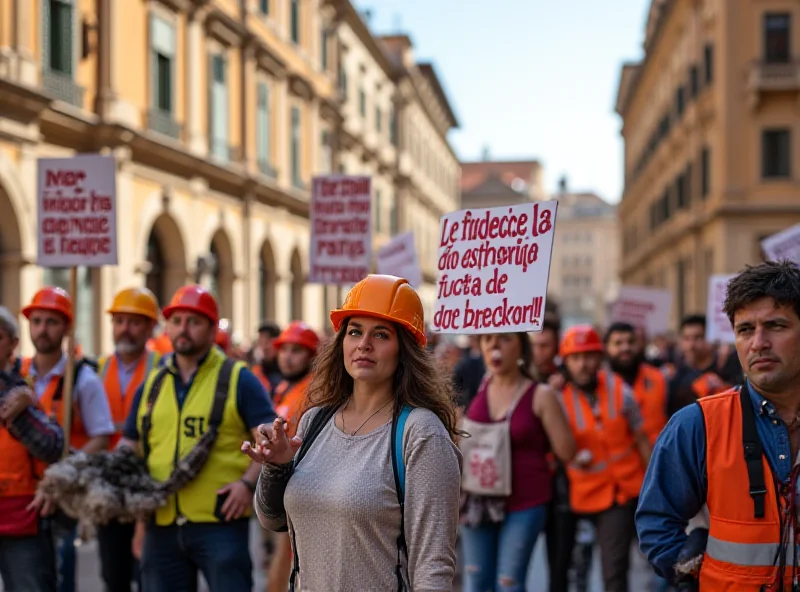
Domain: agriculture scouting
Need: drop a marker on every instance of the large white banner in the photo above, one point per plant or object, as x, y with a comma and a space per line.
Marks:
647, 308
341, 229
494, 264
399, 257
783, 245
77, 209
719, 326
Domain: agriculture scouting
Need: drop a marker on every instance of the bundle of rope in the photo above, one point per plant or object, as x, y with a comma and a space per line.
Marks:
117, 485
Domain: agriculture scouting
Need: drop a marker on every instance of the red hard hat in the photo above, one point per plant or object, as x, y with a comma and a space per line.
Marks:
299, 333
580, 339
50, 298
193, 299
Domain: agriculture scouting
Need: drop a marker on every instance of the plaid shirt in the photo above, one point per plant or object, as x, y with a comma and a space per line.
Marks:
41, 436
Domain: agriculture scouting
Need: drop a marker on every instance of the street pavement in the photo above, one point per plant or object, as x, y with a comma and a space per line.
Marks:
641, 576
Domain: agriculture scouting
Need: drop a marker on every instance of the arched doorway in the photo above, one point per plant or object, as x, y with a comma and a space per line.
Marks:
266, 283
296, 288
166, 259
10, 254
221, 273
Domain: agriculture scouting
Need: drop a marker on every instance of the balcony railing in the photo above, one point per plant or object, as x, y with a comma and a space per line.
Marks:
163, 123
267, 169
220, 150
62, 87
765, 77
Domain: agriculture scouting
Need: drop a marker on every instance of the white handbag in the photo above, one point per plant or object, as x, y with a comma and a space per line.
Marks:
487, 454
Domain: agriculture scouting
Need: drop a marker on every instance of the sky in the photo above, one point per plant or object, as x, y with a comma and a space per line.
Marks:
529, 79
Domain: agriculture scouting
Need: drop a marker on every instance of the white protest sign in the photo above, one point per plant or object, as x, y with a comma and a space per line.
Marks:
77, 209
719, 326
784, 245
647, 308
341, 229
399, 257
494, 264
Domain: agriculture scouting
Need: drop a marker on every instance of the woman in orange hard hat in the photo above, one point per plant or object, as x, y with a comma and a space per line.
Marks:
377, 459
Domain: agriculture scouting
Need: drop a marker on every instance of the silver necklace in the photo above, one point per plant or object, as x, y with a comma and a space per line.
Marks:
365, 423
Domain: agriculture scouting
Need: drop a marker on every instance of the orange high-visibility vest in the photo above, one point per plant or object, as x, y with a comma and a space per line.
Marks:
19, 474
708, 384
53, 407
741, 548
289, 399
650, 392
263, 378
119, 403
616, 472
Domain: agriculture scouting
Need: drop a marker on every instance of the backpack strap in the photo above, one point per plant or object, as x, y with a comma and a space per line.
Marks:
152, 395
221, 393
753, 452
399, 470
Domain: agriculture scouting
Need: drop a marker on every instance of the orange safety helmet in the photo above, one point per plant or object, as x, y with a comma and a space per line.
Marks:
384, 297
300, 333
140, 301
193, 299
223, 338
50, 298
580, 339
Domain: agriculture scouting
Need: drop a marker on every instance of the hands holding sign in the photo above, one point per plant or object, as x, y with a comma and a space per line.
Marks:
493, 268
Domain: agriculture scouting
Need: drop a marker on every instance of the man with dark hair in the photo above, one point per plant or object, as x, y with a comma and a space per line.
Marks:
545, 350
701, 372
752, 435
266, 366
625, 355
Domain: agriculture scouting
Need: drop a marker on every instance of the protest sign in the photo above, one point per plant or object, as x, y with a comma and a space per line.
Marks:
341, 229
494, 264
646, 308
399, 257
783, 245
719, 325
76, 202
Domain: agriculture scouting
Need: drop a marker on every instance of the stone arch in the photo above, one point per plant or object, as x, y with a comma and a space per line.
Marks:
165, 254
10, 253
267, 278
221, 273
296, 286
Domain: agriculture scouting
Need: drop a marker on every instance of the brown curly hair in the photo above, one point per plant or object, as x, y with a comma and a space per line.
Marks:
417, 382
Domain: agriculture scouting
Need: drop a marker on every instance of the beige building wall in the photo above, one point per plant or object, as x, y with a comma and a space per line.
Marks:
712, 139
214, 166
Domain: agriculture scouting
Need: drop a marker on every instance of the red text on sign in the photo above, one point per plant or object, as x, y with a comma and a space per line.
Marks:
64, 178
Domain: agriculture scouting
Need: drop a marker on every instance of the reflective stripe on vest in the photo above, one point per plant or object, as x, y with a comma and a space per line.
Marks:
612, 403
748, 554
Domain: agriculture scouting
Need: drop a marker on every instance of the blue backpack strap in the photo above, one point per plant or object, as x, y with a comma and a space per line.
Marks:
399, 470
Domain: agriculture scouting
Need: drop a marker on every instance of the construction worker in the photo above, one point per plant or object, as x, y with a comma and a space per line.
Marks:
198, 401
49, 317
296, 347
134, 314
266, 363
736, 452
626, 358
613, 450
29, 440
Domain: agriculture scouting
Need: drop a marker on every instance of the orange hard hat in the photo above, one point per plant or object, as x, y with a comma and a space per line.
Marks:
139, 301
223, 338
50, 298
300, 333
580, 339
384, 297
193, 299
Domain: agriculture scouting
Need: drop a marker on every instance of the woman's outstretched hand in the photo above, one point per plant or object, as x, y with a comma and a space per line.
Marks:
274, 446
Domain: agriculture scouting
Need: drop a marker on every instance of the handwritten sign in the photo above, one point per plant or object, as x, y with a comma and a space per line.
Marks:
647, 308
494, 265
399, 257
784, 245
719, 325
341, 229
76, 201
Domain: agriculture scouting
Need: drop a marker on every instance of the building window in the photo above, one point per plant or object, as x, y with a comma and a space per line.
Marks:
393, 217
680, 101
694, 81
680, 192
777, 31
295, 148
708, 63
219, 107
162, 47
343, 83
323, 58
362, 102
378, 210
263, 6
688, 184
263, 131
59, 36
326, 160
705, 172
295, 21
775, 153
392, 127
378, 120
680, 289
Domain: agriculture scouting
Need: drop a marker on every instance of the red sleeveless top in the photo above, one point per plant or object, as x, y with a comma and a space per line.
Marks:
531, 479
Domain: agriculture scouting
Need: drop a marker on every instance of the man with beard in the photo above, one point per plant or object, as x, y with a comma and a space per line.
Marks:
266, 368
626, 358
134, 314
49, 316
29, 440
297, 347
613, 450
198, 398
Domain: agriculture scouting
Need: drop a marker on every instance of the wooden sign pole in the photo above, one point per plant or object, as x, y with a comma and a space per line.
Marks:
69, 371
